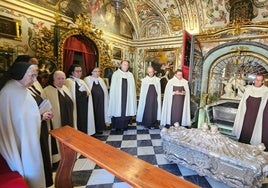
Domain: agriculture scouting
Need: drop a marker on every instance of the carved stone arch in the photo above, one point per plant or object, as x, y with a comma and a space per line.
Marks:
237, 56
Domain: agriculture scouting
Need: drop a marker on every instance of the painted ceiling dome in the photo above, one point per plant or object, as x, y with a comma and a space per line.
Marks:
137, 19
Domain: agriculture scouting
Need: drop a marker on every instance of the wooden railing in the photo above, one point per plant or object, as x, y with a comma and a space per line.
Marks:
126, 167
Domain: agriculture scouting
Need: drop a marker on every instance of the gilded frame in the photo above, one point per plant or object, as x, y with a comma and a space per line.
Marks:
117, 53
83, 26
104, 59
165, 62
161, 57
10, 28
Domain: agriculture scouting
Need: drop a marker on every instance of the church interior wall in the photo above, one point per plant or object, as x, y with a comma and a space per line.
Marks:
35, 21
156, 35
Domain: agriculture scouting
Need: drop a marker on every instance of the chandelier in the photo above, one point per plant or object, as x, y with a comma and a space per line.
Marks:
118, 5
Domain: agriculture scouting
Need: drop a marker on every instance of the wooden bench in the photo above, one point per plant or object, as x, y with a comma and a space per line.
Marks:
128, 168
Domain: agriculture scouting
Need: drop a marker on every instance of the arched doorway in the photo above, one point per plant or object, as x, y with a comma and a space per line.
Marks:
80, 50
89, 39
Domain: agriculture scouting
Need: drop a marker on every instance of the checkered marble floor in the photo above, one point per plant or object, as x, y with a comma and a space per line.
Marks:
141, 143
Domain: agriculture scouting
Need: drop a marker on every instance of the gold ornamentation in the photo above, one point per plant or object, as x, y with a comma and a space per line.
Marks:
237, 30
244, 30
43, 46
83, 26
203, 101
175, 23
240, 48
60, 22
174, 20
241, 12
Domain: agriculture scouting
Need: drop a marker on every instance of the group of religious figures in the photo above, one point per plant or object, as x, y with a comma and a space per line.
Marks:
86, 105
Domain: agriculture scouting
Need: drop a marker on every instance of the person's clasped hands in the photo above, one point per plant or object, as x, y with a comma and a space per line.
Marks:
47, 115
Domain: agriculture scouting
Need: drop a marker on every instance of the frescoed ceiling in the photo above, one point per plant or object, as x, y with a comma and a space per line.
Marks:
155, 18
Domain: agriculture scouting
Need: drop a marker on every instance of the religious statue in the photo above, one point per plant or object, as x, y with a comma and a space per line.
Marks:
228, 89
234, 88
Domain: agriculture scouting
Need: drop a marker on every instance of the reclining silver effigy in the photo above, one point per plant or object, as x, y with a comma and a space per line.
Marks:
212, 154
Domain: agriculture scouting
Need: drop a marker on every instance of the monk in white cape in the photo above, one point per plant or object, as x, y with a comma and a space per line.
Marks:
149, 108
176, 103
122, 103
61, 100
249, 123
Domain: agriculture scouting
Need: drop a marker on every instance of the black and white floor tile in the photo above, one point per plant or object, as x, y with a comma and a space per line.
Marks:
144, 144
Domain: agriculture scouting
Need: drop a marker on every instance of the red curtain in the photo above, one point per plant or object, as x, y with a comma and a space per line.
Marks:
89, 58
186, 50
68, 60
79, 44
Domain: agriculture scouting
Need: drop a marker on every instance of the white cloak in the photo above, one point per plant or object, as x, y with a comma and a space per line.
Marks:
20, 126
239, 119
51, 93
89, 81
38, 86
114, 109
167, 102
70, 84
145, 83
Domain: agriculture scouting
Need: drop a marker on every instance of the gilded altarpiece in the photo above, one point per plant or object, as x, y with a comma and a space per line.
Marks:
51, 45
83, 26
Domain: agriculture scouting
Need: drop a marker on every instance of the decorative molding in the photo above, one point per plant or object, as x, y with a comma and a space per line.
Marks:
235, 31
83, 26
43, 45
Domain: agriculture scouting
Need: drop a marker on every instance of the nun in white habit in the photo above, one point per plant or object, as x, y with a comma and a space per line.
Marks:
62, 103
20, 123
82, 100
149, 108
100, 99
